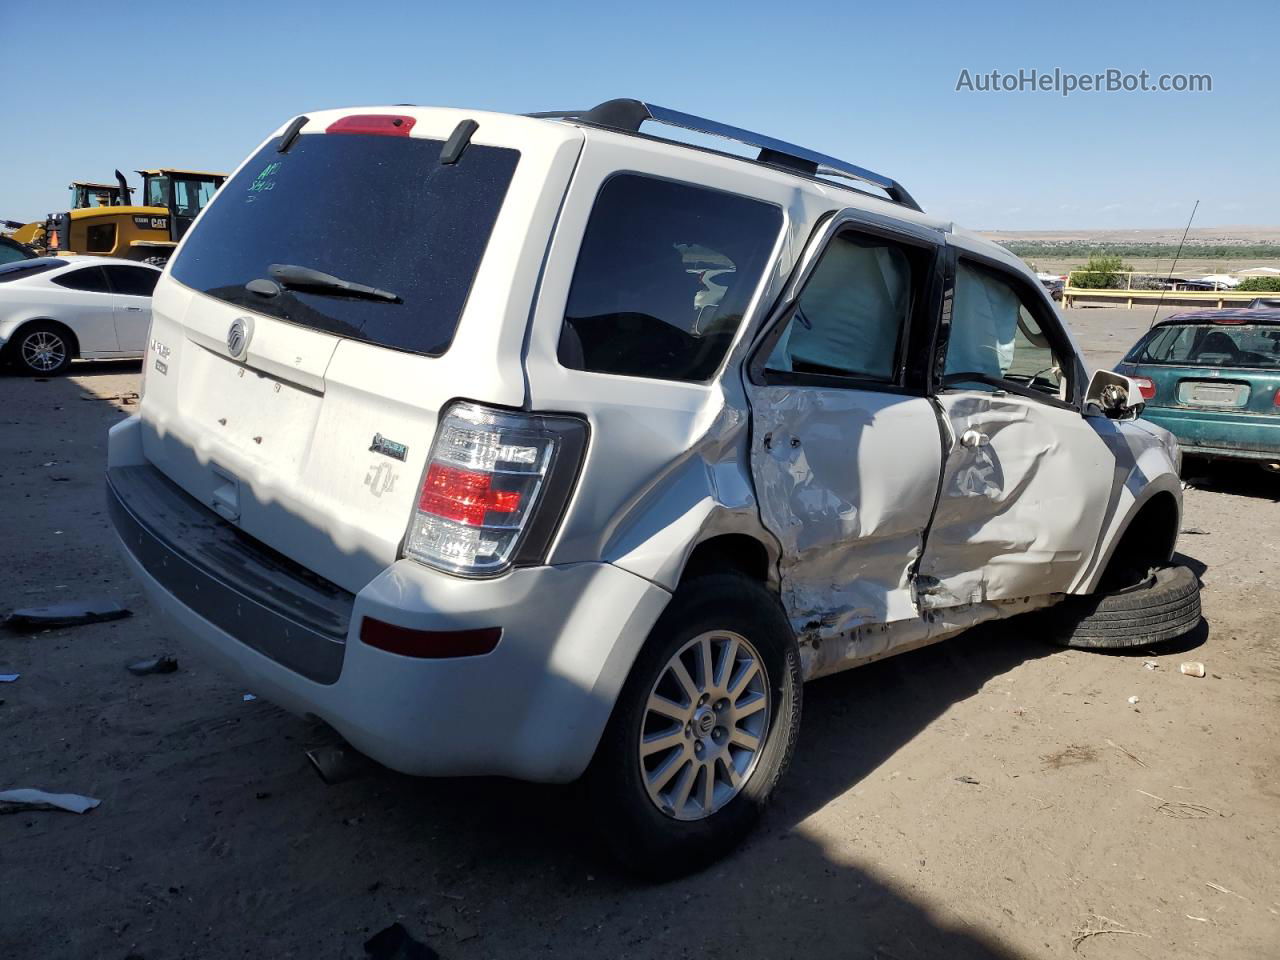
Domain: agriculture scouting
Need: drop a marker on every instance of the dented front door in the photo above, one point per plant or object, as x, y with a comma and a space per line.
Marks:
1024, 492
1027, 480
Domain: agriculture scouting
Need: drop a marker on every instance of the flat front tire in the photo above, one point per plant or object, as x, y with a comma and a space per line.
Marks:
1163, 605
702, 732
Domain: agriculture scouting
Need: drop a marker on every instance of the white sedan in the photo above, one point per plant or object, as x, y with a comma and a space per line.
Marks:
57, 309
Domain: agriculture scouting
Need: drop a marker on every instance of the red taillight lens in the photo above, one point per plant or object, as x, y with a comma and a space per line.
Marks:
1276, 399
428, 644
464, 495
1146, 386
386, 124
482, 498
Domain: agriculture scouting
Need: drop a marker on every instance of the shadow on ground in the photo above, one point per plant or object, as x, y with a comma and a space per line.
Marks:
1228, 476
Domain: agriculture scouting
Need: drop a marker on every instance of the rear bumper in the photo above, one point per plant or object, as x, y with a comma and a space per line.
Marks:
1220, 433
534, 708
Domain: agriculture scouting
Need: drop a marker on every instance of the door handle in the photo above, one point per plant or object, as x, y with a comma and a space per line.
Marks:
973, 438
134, 309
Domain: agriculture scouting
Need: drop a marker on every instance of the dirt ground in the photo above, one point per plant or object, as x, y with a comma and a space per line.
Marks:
1148, 829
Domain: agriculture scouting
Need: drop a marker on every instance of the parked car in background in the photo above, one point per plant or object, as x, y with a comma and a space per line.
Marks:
1054, 286
11, 250
1212, 378
581, 462
57, 309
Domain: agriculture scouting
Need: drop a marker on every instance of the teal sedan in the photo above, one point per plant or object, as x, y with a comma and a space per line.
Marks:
1212, 378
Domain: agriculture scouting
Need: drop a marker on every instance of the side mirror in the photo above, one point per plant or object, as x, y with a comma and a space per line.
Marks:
1114, 395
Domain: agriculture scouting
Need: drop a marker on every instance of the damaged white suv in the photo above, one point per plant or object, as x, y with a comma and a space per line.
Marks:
546, 447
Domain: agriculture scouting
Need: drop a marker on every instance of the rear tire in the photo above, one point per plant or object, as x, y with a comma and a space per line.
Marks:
41, 349
1164, 605
662, 836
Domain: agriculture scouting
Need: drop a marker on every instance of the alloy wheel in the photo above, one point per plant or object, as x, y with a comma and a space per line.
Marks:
704, 725
44, 351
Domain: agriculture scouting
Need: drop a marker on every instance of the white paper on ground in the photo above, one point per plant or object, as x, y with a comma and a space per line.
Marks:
29, 797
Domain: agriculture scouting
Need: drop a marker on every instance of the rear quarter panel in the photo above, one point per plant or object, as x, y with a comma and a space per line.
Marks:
668, 464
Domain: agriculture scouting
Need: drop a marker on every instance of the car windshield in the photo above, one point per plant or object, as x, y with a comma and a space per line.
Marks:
11, 251
377, 211
1213, 345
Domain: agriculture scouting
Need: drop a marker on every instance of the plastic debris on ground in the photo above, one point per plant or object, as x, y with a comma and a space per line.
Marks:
160, 664
66, 615
9, 677
26, 798
1193, 668
396, 943
249, 696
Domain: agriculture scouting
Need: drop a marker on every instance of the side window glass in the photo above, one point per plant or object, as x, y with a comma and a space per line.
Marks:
664, 276
995, 337
851, 316
157, 190
133, 281
101, 238
90, 279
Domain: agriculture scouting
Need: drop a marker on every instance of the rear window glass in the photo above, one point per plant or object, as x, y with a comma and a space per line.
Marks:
378, 211
87, 279
1212, 345
29, 268
665, 273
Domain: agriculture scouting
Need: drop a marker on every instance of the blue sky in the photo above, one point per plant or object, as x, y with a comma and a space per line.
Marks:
199, 85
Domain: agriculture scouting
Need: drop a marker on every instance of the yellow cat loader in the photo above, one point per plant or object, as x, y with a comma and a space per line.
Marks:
103, 220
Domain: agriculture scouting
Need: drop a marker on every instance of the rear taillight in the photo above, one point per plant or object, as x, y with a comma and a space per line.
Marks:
494, 489
1146, 387
1276, 399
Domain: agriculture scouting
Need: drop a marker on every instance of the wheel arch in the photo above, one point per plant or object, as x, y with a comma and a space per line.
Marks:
1148, 532
731, 553
73, 342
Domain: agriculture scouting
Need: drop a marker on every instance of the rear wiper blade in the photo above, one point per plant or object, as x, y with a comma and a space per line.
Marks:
294, 277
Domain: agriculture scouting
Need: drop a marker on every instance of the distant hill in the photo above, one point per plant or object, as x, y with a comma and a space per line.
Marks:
1211, 246
1198, 236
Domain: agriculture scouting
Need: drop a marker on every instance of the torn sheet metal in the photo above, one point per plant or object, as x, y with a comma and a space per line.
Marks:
1022, 499
26, 798
823, 653
66, 615
846, 481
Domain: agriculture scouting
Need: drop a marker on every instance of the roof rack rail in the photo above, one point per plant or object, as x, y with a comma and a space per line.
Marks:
628, 116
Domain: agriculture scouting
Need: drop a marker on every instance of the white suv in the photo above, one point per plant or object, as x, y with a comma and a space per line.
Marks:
543, 447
